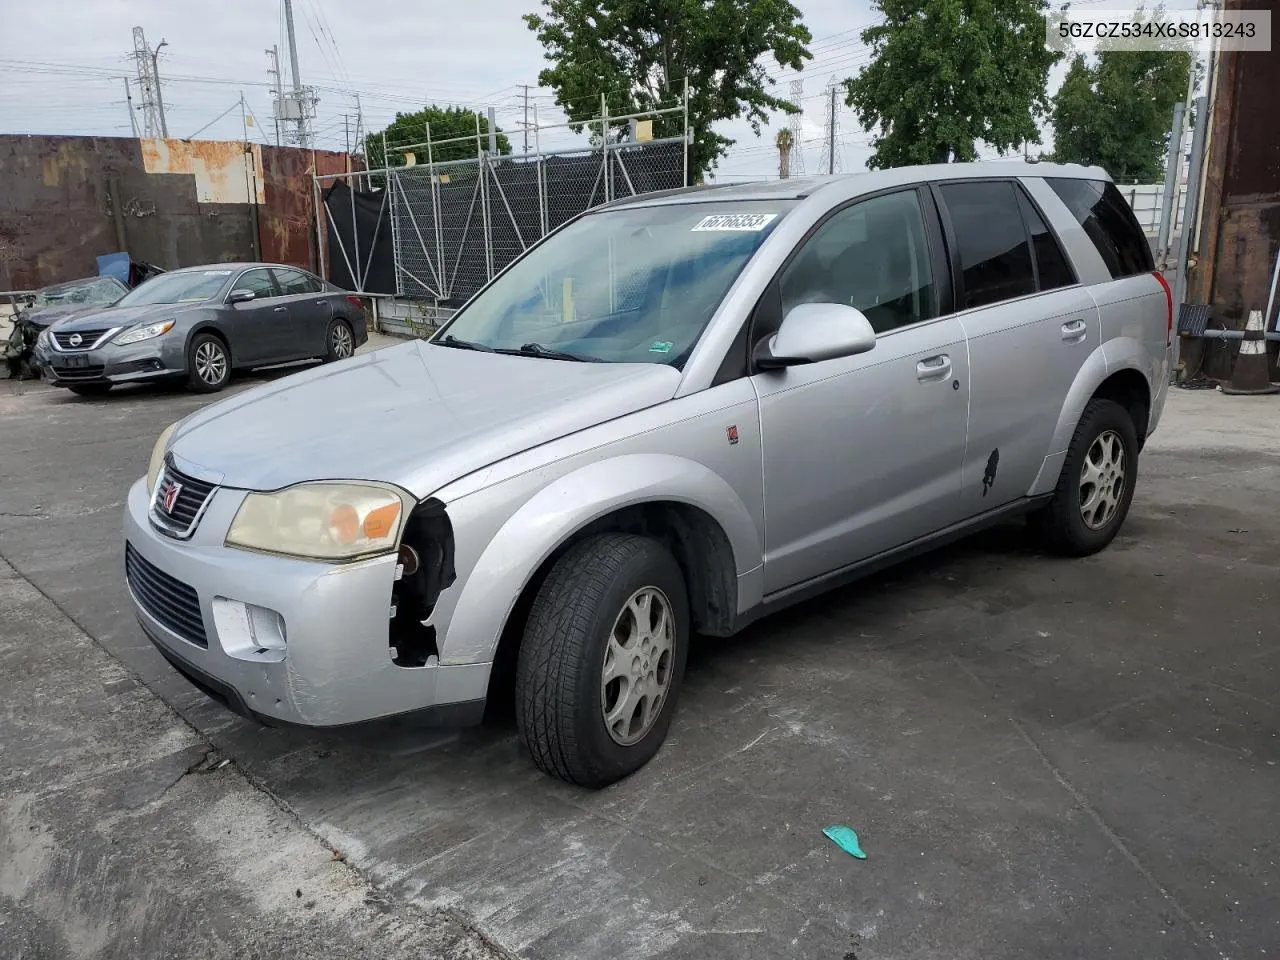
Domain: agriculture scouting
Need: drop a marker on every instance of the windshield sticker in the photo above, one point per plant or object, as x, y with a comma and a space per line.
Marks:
217, 273
661, 346
735, 222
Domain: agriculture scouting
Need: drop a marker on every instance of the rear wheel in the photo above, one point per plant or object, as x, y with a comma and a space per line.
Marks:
1096, 485
602, 659
90, 389
340, 341
208, 364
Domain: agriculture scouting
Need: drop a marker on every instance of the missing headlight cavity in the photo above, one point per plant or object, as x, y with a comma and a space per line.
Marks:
427, 570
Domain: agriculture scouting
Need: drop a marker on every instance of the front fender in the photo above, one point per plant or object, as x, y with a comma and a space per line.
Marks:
1106, 359
564, 506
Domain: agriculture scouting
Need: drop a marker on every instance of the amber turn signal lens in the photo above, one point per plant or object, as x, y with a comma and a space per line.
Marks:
381, 521
344, 523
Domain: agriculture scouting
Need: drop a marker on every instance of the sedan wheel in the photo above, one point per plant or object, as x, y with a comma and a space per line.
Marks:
208, 366
341, 341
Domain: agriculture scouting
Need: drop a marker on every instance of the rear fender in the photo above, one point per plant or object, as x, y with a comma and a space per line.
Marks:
1106, 359
563, 507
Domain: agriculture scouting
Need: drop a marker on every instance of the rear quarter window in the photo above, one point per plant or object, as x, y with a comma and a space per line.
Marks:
1109, 222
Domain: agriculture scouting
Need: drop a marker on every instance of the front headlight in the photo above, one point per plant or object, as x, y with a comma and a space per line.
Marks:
43, 339
322, 520
157, 457
145, 333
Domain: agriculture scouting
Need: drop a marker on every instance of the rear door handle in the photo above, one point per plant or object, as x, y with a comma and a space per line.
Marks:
934, 368
1074, 330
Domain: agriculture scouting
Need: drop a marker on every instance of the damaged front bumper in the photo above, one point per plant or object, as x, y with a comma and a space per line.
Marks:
281, 640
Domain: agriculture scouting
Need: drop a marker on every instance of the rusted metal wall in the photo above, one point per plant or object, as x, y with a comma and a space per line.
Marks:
1240, 236
66, 200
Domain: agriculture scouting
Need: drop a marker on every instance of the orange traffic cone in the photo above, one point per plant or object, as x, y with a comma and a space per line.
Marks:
1249, 374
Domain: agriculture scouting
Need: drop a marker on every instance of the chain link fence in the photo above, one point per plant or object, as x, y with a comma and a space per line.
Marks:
454, 225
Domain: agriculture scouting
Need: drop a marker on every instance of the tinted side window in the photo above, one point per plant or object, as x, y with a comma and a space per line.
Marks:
872, 255
259, 281
1100, 209
294, 282
1052, 268
995, 259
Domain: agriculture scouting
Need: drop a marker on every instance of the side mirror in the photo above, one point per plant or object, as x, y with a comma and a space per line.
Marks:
813, 332
241, 296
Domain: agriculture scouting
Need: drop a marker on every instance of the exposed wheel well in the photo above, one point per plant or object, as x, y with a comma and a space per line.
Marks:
695, 539
1129, 389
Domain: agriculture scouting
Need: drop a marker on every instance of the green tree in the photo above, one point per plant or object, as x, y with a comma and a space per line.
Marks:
409, 130
638, 53
946, 74
1115, 111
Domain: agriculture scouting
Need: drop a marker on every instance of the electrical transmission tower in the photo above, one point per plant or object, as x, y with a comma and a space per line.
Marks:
296, 107
834, 154
152, 107
795, 160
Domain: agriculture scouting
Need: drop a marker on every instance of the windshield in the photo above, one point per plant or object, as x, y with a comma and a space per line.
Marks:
626, 286
188, 287
103, 290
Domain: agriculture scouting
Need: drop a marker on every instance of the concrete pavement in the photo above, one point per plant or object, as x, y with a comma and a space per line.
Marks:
1043, 758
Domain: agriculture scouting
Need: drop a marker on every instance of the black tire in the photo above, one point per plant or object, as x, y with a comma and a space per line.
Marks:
90, 389
339, 340
1061, 524
205, 372
560, 696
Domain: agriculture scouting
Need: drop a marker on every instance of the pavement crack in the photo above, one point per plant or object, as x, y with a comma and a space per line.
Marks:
26, 516
209, 762
1205, 937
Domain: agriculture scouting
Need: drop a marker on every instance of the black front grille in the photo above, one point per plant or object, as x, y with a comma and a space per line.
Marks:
90, 371
168, 600
84, 339
178, 512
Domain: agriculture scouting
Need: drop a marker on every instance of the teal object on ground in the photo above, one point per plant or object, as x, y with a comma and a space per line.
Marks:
846, 840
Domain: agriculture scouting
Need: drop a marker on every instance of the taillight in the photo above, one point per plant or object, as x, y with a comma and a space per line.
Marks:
359, 304
1168, 296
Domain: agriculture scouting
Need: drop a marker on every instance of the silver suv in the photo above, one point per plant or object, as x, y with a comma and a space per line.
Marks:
673, 415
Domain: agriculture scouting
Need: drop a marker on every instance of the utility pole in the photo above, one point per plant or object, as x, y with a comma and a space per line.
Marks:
155, 72
304, 135
273, 71
128, 98
346, 133
526, 118
831, 133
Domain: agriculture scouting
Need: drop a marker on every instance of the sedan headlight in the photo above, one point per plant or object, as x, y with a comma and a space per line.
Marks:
43, 339
138, 334
157, 457
322, 521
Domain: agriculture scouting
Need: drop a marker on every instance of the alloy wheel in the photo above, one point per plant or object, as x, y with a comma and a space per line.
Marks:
1102, 480
211, 363
638, 664
340, 340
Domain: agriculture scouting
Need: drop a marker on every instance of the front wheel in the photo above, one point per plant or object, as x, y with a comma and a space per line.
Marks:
1096, 485
602, 659
208, 364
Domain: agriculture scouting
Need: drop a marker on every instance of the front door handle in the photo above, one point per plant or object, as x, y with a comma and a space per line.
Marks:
934, 368
279, 309
1074, 330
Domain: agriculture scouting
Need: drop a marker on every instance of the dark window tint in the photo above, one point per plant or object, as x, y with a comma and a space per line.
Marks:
995, 259
259, 281
872, 255
1052, 268
294, 282
1100, 209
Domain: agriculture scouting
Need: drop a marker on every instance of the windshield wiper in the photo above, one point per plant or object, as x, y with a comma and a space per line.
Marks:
452, 341
538, 350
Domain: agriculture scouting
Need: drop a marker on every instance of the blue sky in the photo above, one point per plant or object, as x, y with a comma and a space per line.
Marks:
67, 74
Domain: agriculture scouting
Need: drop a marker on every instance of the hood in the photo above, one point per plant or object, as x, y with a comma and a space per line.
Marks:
100, 318
415, 415
46, 316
